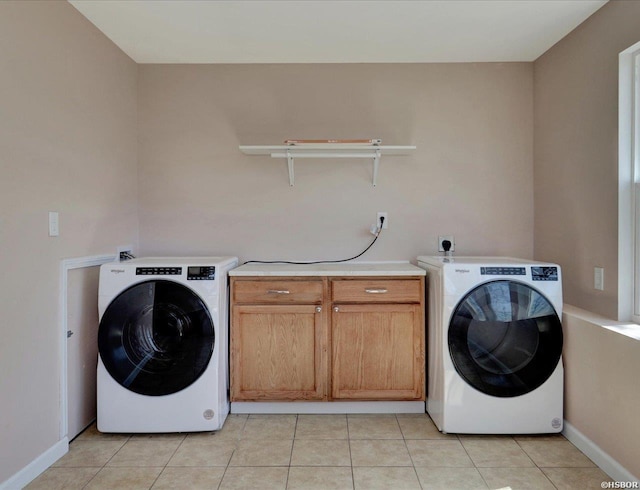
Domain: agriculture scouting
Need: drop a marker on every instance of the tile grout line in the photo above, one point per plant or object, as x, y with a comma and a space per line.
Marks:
475, 466
237, 441
168, 460
295, 428
107, 462
413, 464
536, 464
353, 479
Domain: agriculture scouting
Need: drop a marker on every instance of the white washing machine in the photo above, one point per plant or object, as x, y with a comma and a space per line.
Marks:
494, 345
163, 344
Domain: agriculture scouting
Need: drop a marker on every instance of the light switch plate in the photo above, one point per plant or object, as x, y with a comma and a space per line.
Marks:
54, 223
598, 278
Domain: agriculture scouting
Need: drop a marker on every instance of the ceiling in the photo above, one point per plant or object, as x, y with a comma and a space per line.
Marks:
335, 31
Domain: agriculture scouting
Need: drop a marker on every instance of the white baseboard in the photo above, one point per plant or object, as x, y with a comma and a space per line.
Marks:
329, 407
30, 472
606, 463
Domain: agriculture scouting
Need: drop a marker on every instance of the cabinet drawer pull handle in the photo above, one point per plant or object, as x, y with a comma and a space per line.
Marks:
376, 291
318, 309
277, 291
336, 309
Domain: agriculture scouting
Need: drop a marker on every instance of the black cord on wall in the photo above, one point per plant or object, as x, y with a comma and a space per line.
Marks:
321, 261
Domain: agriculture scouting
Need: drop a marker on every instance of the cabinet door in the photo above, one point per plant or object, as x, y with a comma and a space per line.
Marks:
378, 352
276, 352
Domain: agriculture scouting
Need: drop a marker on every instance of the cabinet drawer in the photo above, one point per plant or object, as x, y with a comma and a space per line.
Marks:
281, 292
376, 291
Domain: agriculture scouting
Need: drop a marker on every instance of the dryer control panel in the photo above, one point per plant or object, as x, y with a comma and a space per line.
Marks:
538, 273
544, 273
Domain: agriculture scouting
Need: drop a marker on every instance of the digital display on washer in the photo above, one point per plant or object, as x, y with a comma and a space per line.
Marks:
544, 273
502, 271
206, 273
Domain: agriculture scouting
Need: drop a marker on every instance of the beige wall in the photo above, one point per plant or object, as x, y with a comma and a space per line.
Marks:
69, 132
471, 175
576, 216
68, 136
601, 379
576, 152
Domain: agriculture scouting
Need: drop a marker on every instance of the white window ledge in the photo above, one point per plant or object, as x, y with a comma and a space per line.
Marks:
631, 330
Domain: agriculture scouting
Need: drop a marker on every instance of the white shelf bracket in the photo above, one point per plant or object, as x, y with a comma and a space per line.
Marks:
376, 165
341, 150
290, 165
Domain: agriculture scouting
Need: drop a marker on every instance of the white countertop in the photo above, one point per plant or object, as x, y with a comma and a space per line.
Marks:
341, 269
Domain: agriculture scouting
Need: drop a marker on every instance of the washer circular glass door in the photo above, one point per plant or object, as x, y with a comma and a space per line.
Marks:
156, 338
505, 338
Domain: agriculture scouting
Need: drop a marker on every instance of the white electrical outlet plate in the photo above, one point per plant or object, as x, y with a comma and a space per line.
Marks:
54, 223
598, 278
442, 238
385, 215
124, 248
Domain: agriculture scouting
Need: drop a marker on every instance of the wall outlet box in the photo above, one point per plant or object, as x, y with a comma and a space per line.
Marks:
124, 252
442, 238
385, 215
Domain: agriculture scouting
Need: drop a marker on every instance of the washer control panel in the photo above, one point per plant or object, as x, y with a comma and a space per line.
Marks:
201, 273
538, 273
502, 271
158, 271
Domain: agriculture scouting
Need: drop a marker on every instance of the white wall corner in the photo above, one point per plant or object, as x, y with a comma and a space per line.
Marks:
606, 463
30, 472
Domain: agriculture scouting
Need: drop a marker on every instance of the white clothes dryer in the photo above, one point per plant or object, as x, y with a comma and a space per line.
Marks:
494, 345
163, 344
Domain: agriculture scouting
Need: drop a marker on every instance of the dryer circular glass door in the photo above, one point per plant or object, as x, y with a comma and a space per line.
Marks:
156, 338
505, 338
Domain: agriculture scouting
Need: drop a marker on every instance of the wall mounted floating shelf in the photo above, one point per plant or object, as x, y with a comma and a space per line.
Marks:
327, 150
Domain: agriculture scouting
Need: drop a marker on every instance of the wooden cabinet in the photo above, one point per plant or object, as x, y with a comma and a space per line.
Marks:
377, 352
327, 338
377, 339
278, 340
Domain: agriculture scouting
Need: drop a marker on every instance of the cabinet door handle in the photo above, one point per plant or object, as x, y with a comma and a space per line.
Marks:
277, 291
336, 309
318, 309
376, 291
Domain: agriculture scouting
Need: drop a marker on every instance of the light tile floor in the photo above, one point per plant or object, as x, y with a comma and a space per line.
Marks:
390, 452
